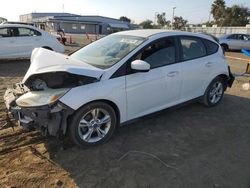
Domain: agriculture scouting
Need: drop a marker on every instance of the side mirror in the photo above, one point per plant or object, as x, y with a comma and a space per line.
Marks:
140, 66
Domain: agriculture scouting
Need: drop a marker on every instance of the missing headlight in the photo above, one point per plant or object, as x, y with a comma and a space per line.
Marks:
56, 80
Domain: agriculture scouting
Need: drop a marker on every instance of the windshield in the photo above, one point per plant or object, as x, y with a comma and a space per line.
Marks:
107, 51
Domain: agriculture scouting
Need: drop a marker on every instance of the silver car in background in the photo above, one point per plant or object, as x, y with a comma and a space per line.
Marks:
235, 42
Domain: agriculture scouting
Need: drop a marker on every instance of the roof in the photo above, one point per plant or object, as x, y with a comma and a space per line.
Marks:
22, 23
119, 25
146, 33
142, 32
43, 14
18, 25
80, 18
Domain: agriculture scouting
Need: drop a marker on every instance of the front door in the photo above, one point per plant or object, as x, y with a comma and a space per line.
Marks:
160, 87
7, 44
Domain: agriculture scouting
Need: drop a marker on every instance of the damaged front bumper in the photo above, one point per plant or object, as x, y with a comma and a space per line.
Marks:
49, 119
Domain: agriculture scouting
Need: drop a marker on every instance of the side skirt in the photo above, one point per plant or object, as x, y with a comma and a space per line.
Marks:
164, 110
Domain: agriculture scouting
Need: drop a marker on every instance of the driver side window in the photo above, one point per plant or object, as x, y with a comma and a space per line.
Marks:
159, 54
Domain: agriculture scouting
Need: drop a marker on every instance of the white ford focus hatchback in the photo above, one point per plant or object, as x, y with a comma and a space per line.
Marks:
18, 41
118, 78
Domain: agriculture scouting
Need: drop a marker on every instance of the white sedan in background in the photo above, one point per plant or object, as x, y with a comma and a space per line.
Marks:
118, 78
18, 41
235, 42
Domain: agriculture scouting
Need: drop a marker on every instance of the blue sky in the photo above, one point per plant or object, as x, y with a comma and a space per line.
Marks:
195, 11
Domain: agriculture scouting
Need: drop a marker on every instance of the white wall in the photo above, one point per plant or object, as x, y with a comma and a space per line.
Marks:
218, 31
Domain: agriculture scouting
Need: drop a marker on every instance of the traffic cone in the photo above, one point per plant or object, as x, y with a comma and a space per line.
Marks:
87, 36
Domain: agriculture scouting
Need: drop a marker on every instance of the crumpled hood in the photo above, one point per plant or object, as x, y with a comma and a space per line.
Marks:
45, 61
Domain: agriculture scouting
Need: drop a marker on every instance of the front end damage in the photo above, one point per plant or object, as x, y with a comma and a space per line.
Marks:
35, 103
50, 119
39, 110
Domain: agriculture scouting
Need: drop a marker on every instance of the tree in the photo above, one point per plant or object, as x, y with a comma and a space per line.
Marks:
147, 24
125, 19
237, 16
161, 20
218, 11
229, 16
179, 23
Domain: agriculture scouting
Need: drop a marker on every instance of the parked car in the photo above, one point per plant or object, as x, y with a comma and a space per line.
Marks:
18, 41
118, 78
235, 42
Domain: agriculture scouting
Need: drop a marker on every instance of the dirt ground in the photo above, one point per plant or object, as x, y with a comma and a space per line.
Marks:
188, 147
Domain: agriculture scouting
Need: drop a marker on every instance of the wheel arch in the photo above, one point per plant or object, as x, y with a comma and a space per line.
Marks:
47, 47
225, 45
225, 78
222, 75
109, 102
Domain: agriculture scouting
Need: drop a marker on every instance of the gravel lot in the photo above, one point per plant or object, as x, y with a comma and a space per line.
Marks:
188, 147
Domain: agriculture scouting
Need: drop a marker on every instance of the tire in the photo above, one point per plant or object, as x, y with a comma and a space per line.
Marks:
214, 92
225, 47
93, 124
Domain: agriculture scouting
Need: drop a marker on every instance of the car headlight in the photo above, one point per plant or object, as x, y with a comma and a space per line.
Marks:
40, 98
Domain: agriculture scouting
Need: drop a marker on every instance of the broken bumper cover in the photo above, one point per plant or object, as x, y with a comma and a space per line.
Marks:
50, 119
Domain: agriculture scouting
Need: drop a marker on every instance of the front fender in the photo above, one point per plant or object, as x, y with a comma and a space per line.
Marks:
112, 90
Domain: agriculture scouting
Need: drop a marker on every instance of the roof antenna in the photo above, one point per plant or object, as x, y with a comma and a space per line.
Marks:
63, 8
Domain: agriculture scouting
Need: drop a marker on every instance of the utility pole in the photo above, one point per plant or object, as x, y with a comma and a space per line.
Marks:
173, 17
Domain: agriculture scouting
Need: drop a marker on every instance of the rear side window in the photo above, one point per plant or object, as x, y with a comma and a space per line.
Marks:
24, 32
192, 48
211, 47
246, 37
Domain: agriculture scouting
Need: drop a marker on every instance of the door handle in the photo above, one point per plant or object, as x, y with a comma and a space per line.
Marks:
172, 74
209, 64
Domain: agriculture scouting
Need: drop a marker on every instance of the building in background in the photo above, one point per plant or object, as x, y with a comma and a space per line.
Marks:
3, 20
77, 24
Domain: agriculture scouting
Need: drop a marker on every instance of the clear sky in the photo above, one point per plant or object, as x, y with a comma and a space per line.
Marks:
195, 11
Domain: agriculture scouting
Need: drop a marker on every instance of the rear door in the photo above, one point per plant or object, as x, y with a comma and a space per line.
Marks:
197, 66
234, 42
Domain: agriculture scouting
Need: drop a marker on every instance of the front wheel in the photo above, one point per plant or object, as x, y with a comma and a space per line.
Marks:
93, 124
214, 92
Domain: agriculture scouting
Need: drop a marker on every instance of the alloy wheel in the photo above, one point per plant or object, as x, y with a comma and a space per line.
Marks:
94, 125
216, 92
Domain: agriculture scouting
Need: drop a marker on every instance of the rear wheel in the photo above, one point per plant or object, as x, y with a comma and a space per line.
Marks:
225, 47
214, 92
93, 124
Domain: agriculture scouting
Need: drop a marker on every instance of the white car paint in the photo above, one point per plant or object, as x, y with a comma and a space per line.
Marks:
15, 46
45, 61
137, 94
199, 73
155, 90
